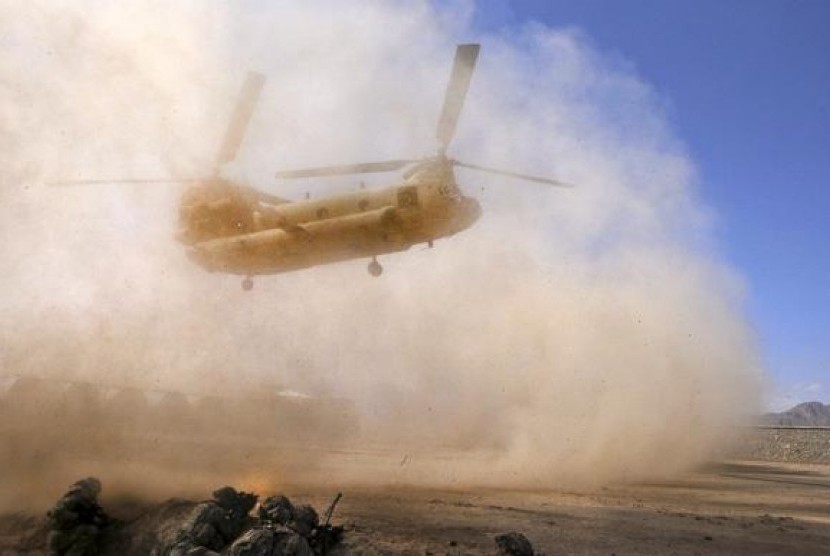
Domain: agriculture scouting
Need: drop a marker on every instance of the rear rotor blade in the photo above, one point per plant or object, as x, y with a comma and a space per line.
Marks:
462, 71
245, 106
365, 168
512, 174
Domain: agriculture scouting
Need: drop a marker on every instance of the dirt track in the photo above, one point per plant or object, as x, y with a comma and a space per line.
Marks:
736, 508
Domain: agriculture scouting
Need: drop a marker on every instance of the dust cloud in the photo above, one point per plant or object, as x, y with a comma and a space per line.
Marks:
572, 337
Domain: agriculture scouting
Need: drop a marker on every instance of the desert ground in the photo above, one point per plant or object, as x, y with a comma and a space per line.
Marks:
740, 507
730, 508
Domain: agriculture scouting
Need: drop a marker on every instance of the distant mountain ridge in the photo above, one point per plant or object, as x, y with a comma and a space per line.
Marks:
808, 414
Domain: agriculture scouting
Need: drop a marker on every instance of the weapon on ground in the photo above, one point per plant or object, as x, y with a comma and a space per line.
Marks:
327, 535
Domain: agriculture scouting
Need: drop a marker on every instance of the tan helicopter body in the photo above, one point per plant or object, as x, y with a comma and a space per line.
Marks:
268, 235
232, 228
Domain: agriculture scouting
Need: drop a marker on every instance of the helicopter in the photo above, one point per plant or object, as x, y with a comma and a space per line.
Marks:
232, 228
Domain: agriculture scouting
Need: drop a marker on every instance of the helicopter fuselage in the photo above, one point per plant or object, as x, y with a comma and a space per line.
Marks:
242, 233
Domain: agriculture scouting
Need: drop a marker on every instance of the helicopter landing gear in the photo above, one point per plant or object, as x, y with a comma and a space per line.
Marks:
247, 284
375, 269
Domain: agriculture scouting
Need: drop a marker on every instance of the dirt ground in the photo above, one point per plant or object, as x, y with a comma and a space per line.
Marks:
733, 508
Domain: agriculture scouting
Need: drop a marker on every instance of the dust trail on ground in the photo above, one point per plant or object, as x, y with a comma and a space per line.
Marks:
572, 337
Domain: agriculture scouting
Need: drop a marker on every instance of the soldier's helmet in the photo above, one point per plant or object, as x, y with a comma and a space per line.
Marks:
514, 544
225, 495
231, 499
90, 487
276, 509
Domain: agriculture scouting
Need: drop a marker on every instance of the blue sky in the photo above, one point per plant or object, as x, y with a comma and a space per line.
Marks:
748, 83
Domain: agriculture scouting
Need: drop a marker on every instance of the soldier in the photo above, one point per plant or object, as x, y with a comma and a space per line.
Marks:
276, 509
274, 535
76, 521
304, 520
214, 524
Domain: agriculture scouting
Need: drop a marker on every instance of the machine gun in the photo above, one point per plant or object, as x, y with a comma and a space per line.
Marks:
327, 535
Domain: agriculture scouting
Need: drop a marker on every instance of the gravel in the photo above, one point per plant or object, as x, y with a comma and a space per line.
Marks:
785, 444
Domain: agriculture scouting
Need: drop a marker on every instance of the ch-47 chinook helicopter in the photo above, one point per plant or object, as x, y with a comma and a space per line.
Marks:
230, 228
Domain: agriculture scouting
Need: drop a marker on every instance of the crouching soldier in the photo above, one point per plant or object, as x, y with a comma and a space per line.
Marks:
214, 524
76, 521
275, 533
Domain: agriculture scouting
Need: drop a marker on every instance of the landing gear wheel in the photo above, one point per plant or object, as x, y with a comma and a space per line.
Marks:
375, 269
247, 284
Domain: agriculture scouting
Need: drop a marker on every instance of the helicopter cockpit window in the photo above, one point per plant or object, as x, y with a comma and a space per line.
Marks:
408, 197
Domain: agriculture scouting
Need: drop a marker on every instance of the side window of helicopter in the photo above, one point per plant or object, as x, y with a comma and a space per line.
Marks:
408, 197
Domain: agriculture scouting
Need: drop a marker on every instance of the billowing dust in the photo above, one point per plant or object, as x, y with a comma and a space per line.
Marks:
572, 337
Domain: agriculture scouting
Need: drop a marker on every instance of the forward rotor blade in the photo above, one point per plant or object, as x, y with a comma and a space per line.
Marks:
115, 181
462, 71
245, 106
365, 168
513, 174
